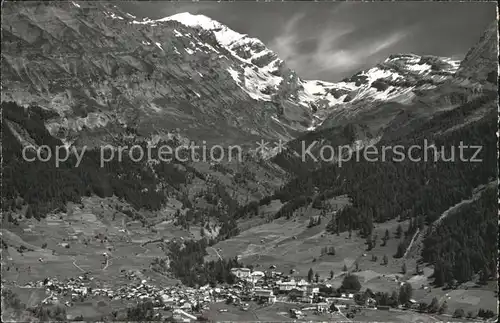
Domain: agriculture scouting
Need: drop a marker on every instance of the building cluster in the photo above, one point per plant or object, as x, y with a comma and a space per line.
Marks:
264, 288
273, 286
172, 297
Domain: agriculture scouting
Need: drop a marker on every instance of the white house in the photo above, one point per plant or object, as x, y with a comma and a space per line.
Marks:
311, 290
265, 295
256, 276
286, 286
302, 283
322, 307
241, 272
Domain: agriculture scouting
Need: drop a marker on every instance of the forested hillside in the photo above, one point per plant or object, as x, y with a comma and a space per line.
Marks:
462, 245
385, 190
44, 187
406, 189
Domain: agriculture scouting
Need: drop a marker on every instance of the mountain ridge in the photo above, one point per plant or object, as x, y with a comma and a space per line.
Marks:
136, 85
135, 228
215, 62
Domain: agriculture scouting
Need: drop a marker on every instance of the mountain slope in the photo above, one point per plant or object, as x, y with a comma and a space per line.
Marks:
403, 91
422, 184
104, 72
100, 76
481, 62
99, 68
397, 79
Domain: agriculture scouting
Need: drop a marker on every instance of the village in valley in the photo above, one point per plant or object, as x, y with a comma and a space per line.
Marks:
295, 231
253, 291
107, 269
262, 289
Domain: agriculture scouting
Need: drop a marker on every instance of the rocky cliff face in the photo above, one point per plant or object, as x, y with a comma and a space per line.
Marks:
405, 91
481, 62
107, 73
397, 79
419, 85
102, 71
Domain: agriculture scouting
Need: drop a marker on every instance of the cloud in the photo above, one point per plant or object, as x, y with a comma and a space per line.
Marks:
284, 44
335, 49
332, 40
191, 7
328, 57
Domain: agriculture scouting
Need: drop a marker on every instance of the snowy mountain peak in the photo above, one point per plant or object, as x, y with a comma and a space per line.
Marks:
249, 50
191, 20
395, 79
424, 63
259, 71
263, 75
225, 36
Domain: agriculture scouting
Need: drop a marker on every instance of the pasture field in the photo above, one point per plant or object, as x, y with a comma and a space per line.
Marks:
277, 312
67, 245
469, 300
290, 244
76, 242
372, 315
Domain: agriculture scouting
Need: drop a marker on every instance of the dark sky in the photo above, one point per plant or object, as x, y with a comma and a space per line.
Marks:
329, 41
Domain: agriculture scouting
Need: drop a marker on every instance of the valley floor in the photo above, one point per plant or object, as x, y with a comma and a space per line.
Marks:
117, 252
288, 245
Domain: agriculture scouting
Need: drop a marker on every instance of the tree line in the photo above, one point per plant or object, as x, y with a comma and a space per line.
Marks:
187, 264
408, 190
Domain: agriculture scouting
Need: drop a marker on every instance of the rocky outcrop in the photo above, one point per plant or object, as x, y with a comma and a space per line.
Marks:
103, 70
481, 62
